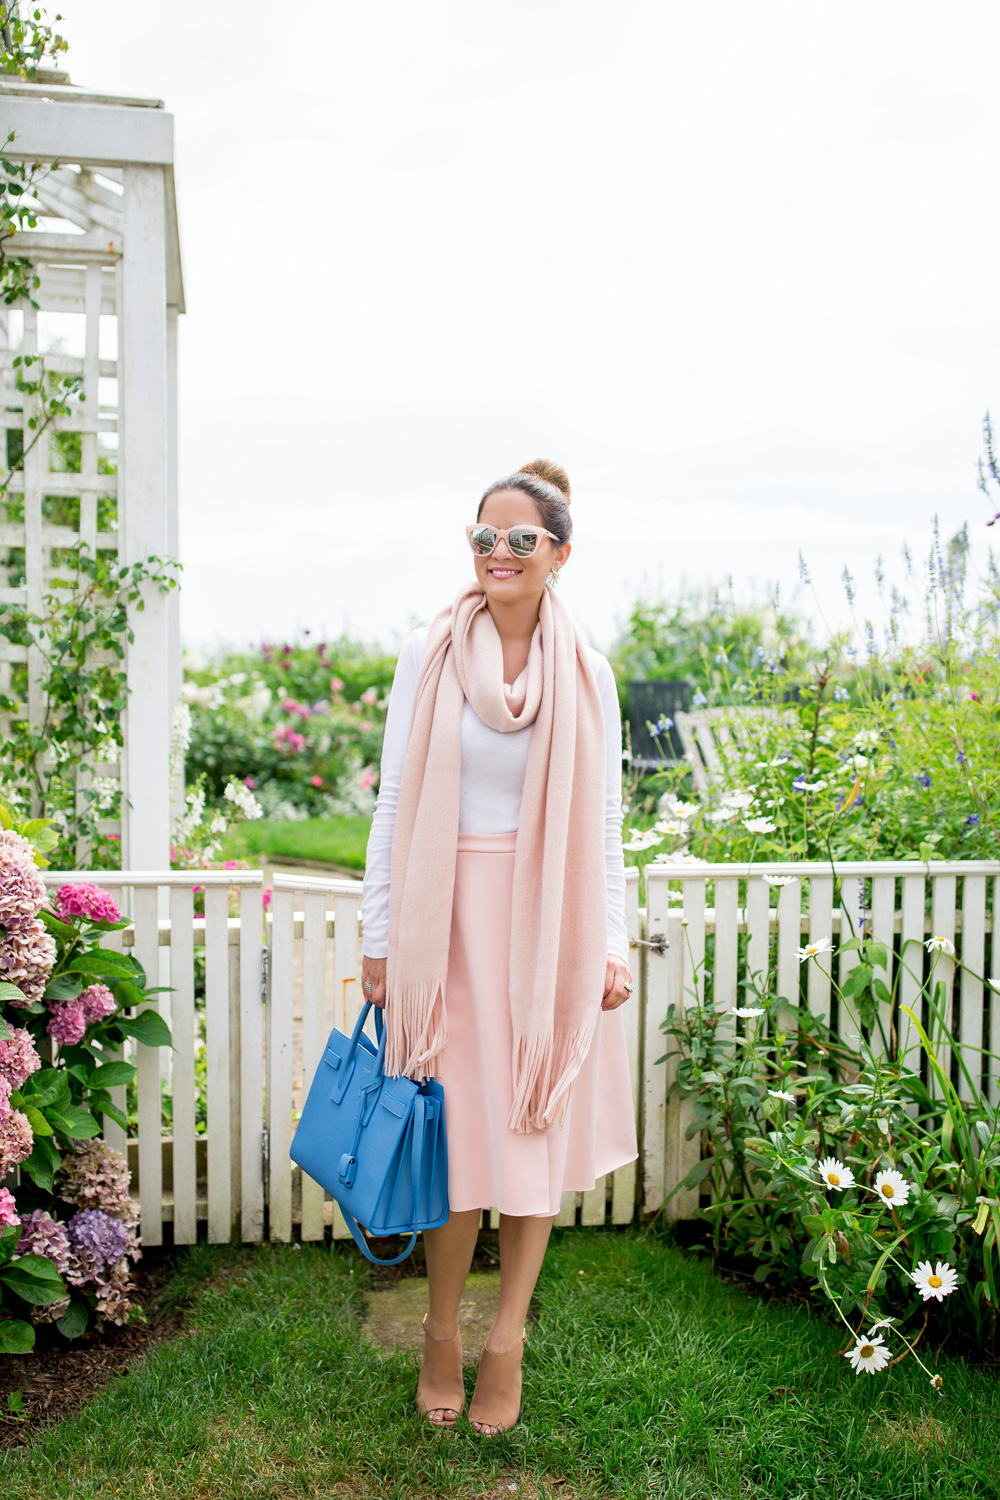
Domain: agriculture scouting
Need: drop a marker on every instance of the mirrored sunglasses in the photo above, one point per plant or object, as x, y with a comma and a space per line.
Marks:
522, 540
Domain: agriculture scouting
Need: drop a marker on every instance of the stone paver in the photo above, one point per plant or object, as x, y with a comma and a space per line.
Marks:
394, 1317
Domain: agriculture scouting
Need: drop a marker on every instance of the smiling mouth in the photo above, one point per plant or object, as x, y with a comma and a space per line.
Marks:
503, 572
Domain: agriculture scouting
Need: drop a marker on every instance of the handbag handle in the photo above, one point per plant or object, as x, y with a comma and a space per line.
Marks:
380, 1034
359, 1240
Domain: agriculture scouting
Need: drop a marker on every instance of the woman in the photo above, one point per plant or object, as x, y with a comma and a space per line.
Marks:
494, 919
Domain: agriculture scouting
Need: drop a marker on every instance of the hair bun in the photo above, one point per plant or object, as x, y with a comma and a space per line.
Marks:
552, 474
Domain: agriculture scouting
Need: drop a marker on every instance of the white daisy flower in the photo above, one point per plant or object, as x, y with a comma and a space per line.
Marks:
835, 1174
813, 950
747, 1011
934, 1281
882, 1323
869, 1354
674, 830
739, 801
893, 1188
759, 825
782, 1094
937, 1381
778, 880
722, 815
940, 945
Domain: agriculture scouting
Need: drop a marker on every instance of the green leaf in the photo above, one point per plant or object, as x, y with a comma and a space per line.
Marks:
149, 1028
75, 1122
5, 1031
34, 1279
56, 926
63, 987
39, 1124
74, 1320
104, 961
108, 1074
101, 1103
45, 1086
43, 1163
16, 1336
9, 1236
127, 993
10, 992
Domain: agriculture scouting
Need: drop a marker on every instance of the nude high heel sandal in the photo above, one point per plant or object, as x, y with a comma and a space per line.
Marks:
441, 1386
496, 1402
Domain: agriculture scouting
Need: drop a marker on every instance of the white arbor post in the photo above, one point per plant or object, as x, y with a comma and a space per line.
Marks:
107, 254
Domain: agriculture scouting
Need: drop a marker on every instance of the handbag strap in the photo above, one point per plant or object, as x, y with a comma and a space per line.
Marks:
359, 1240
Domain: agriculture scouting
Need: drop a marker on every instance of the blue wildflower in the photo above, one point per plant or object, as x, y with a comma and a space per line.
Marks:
974, 820
923, 779
699, 700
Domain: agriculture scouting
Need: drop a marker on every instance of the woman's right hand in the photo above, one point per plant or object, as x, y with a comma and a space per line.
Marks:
373, 975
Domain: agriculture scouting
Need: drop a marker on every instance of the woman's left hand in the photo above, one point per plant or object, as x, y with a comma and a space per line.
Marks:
617, 983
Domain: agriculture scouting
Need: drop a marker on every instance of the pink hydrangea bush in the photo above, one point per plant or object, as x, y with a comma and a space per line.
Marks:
18, 1058
98, 1002
16, 1141
86, 901
8, 1209
67, 1022
22, 889
27, 956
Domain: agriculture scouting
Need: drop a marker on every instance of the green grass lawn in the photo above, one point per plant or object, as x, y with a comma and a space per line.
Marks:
325, 841
645, 1376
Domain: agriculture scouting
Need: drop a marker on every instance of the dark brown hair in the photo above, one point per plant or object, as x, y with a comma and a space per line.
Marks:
548, 486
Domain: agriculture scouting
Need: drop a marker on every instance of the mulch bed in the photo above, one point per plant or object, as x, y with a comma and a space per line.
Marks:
61, 1375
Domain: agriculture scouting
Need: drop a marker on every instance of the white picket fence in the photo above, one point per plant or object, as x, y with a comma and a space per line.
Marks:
273, 985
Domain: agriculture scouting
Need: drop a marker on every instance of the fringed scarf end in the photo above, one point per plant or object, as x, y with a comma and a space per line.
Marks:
418, 1030
545, 1069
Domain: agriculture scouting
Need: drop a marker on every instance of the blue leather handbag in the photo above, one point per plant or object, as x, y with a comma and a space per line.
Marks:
376, 1144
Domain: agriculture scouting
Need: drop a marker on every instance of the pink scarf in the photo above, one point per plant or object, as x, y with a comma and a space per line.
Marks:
559, 929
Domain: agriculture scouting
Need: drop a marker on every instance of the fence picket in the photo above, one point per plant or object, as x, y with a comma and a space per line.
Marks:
852, 927
971, 996
820, 929
724, 985
911, 964
789, 941
943, 898
279, 1065
115, 1136
251, 1081
183, 1110
680, 1153
314, 1034
217, 1077
758, 919
883, 930
624, 1180
147, 1080
654, 1080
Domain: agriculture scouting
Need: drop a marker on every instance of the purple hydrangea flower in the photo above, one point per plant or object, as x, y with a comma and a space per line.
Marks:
18, 1058
87, 901
67, 1022
41, 1234
22, 889
94, 1175
8, 1208
27, 955
16, 1141
98, 1002
102, 1238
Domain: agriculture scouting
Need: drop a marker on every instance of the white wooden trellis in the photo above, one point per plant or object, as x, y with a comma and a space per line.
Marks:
705, 927
107, 253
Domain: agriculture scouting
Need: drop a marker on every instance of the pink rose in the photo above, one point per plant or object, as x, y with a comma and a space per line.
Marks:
316, 780
336, 685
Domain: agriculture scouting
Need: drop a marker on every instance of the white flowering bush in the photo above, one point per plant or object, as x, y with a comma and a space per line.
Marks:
880, 743
845, 1169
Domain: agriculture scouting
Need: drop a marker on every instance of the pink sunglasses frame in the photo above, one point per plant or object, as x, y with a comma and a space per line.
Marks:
504, 531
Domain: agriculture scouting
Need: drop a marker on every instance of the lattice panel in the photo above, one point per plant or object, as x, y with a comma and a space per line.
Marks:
65, 489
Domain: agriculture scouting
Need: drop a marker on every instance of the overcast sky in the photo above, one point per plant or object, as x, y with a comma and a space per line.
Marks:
733, 265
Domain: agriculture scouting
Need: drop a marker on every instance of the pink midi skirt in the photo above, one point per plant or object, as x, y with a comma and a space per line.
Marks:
490, 1166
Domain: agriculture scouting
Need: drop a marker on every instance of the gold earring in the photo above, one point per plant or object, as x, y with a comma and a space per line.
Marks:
553, 577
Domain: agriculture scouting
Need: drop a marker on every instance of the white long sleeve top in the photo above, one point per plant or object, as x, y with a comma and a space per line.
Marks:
490, 789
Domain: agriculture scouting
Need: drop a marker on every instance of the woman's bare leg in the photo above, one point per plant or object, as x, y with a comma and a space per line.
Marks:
448, 1251
523, 1242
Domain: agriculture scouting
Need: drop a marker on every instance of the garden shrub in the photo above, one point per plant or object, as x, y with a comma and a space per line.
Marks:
68, 1227
845, 1168
300, 725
